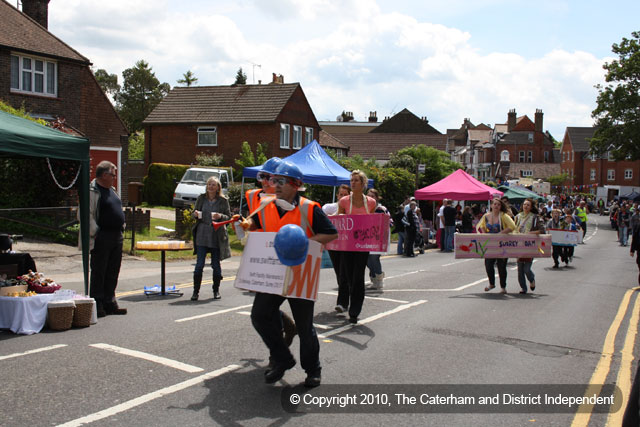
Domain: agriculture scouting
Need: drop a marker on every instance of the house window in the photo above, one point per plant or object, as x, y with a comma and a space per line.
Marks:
563, 158
284, 135
592, 175
530, 157
504, 156
526, 173
297, 137
521, 157
611, 174
546, 156
530, 137
33, 75
628, 173
308, 136
208, 136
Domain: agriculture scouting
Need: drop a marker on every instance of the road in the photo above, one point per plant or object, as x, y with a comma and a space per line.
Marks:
173, 362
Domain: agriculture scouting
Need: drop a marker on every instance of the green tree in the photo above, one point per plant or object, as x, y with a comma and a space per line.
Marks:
437, 163
617, 114
247, 158
241, 78
108, 82
188, 79
136, 146
141, 92
556, 180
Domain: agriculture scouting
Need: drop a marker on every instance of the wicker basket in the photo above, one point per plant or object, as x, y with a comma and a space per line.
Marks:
82, 312
60, 315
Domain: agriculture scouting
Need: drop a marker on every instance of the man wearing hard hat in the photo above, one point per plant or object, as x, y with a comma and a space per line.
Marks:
290, 208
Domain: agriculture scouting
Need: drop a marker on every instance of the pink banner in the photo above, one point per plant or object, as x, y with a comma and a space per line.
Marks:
360, 233
486, 245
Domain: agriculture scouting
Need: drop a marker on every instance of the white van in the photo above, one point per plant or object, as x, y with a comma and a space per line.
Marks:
194, 183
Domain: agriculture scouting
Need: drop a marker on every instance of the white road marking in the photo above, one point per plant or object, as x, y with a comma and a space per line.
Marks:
37, 350
372, 318
456, 262
200, 316
105, 413
246, 313
367, 296
150, 357
459, 288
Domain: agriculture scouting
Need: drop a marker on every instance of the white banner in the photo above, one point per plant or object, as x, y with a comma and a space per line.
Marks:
261, 271
565, 237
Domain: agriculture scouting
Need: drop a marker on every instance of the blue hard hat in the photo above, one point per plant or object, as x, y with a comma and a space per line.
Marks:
291, 245
270, 165
286, 168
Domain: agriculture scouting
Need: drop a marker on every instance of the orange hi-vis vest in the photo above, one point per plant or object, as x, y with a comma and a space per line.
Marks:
273, 222
253, 202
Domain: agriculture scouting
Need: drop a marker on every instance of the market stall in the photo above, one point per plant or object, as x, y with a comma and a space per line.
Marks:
21, 138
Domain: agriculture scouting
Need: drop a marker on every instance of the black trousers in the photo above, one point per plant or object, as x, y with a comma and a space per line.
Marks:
558, 252
351, 291
489, 264
106, 258
409, 241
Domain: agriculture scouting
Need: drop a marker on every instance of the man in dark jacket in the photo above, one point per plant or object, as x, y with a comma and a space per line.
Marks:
410, 229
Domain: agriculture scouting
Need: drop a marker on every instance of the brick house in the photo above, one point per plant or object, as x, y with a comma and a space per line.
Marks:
218, 119
54, 82
523, 149
472, 147
588, 173
402, 130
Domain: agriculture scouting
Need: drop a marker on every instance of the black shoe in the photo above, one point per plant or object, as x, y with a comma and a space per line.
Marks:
278, 371
114, 309
216, 295
194, 297
312, 380
353, 319
555, 266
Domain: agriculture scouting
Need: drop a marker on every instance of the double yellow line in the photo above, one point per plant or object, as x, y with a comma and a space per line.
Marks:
179, 286
625, 373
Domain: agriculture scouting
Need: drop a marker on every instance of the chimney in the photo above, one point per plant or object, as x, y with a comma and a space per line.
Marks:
373, 116
38, 10
511, 120
538, 120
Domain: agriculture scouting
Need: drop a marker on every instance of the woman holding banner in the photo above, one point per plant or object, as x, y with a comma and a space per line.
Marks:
373, 262
527, 222
354, 263
497, 220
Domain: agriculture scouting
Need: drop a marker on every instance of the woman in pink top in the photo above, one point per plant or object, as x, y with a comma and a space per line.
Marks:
352, 263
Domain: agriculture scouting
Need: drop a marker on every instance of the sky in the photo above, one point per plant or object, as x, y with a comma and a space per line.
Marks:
446, 60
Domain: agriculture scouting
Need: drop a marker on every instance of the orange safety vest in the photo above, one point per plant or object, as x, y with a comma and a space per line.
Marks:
253, 202
273, 222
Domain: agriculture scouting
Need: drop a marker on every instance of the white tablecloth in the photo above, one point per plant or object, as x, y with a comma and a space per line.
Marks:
24, 315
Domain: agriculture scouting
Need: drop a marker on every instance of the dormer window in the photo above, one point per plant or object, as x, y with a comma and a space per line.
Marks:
33, 75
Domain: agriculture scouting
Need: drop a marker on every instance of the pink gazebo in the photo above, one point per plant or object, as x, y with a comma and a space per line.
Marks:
457, 186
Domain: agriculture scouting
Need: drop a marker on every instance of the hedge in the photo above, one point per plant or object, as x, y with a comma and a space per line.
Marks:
160, 183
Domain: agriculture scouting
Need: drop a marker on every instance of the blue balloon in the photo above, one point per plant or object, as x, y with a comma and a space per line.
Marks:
291, 245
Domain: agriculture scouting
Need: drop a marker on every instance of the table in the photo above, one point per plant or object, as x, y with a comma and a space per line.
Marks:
24, 315
163, 246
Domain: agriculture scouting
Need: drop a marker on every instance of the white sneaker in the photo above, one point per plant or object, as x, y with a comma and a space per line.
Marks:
340, 309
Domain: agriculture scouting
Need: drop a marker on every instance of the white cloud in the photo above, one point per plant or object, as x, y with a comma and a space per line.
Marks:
348, 56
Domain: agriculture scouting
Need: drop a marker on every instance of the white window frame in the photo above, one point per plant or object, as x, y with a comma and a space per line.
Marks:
206, 131
530, 137
521, 156
563, 155
628, 174
611, 174
31, 73
284, 135
504, 156
297, 137
526, 173
592, 175
308, 136
530, 157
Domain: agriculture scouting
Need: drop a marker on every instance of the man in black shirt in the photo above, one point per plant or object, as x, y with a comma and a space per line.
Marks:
449, 214
107, 225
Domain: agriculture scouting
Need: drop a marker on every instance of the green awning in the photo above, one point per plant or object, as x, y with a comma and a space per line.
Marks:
24, 138
519, 194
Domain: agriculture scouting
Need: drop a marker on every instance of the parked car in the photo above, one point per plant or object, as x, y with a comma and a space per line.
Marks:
194, 183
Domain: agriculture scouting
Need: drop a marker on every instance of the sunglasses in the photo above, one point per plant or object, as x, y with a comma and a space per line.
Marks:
279, 181
263, 176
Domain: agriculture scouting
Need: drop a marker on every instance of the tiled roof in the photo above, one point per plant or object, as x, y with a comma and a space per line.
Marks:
579, 137
21, 33
405, 122
381, 145
330, 141
222, 104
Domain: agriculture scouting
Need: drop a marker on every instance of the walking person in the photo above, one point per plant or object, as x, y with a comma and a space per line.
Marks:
624, 222
467, 220
410, 229
449, 214
497, 220
635, 248
210, 206
290, 208
354, 263
106, 225
581, 212
527, 222
373, 262
558, 251
332, 209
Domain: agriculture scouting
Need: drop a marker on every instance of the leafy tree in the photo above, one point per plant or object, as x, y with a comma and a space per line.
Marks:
241, 78
188, 79
248, 159
136, 146
209, 159
617, 114
141, 92
556, 180
437, 163
108, 82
